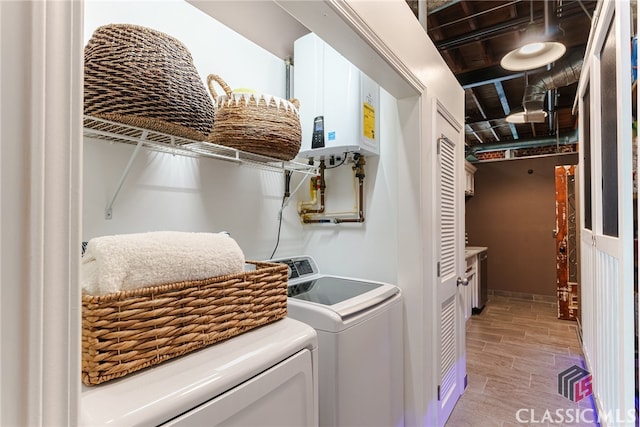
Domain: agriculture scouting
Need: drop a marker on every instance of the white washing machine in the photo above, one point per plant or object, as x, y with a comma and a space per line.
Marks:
264, 377
360, 344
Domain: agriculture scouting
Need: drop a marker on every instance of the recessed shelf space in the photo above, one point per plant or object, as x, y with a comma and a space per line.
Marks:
109, 131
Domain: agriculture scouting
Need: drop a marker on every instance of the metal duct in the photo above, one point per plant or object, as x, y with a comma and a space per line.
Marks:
564, 139
564, 73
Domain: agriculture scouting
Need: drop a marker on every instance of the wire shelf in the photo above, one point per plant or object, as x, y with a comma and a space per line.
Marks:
113, 132
157, 141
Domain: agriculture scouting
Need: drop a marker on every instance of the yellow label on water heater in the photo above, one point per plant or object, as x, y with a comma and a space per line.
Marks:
368, 121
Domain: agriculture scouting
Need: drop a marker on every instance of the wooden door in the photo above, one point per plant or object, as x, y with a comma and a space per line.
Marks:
566, 245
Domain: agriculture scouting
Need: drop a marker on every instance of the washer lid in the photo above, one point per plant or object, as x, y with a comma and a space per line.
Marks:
344, 296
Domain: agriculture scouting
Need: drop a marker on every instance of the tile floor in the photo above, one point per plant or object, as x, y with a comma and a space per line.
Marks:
515, 350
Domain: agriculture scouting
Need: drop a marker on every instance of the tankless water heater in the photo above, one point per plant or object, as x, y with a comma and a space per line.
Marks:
339, 104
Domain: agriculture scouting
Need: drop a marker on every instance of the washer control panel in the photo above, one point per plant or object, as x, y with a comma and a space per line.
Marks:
299, 267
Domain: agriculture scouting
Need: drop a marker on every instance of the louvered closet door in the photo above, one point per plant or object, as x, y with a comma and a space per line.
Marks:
451, 368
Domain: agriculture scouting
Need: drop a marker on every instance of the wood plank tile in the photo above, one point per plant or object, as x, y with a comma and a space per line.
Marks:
488, 329
482, 336
519, 351
551, 324
515, 350
475, 343
552, 348
532, 328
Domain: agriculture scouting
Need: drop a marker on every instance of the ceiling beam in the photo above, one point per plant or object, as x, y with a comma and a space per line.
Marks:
499, 29
477, 102
466, 7
490, 75
473, 25
471, 131
506, 108
451, 57
513, 11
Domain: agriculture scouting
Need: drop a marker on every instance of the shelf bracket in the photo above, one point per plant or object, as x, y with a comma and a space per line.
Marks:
108, 212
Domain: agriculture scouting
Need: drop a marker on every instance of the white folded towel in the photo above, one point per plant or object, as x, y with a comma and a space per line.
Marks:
131, 261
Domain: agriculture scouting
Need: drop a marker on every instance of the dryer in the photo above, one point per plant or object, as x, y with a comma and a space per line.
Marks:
360, 344
264, 377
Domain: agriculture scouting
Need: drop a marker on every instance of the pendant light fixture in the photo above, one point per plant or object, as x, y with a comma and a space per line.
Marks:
536, 50
536, 116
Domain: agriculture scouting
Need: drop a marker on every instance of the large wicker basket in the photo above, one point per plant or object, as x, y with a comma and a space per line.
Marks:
143, 77
131, 330
255, 123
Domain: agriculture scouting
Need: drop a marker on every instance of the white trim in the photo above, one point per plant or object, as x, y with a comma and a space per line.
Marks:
440, 108
637, 272
1, 224
56, 149
586, 63
346, 11
44, 137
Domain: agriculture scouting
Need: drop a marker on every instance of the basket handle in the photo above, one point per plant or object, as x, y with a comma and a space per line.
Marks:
222, 84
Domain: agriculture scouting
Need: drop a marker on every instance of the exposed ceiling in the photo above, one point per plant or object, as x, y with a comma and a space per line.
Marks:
474, 35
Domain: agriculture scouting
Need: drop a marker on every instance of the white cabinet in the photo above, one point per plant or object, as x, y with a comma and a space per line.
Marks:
469, 291
474, 294
469, 172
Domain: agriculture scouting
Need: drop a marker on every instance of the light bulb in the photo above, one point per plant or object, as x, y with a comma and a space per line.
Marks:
531, 48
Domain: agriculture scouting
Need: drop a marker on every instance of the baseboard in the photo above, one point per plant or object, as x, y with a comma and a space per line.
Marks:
523, 295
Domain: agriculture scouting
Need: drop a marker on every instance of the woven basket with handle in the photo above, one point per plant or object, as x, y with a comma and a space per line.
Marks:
130, 330
143, 77
255, 123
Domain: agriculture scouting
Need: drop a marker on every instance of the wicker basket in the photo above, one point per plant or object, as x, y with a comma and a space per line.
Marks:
131, 330
142, 77
255, 123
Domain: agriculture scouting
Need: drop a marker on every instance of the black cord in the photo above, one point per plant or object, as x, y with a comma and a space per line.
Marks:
287, 193
279, 227
344, 158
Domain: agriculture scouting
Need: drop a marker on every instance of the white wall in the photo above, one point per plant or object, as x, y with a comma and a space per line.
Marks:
179, 193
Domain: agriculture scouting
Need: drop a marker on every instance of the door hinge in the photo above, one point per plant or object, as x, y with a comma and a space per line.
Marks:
438, 393
438, 146
438, 268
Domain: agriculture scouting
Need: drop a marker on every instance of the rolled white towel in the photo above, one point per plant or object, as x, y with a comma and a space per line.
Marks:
131, 261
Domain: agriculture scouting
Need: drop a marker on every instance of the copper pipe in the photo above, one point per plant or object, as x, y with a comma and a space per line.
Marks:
360, 205
358, 169
321, 189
